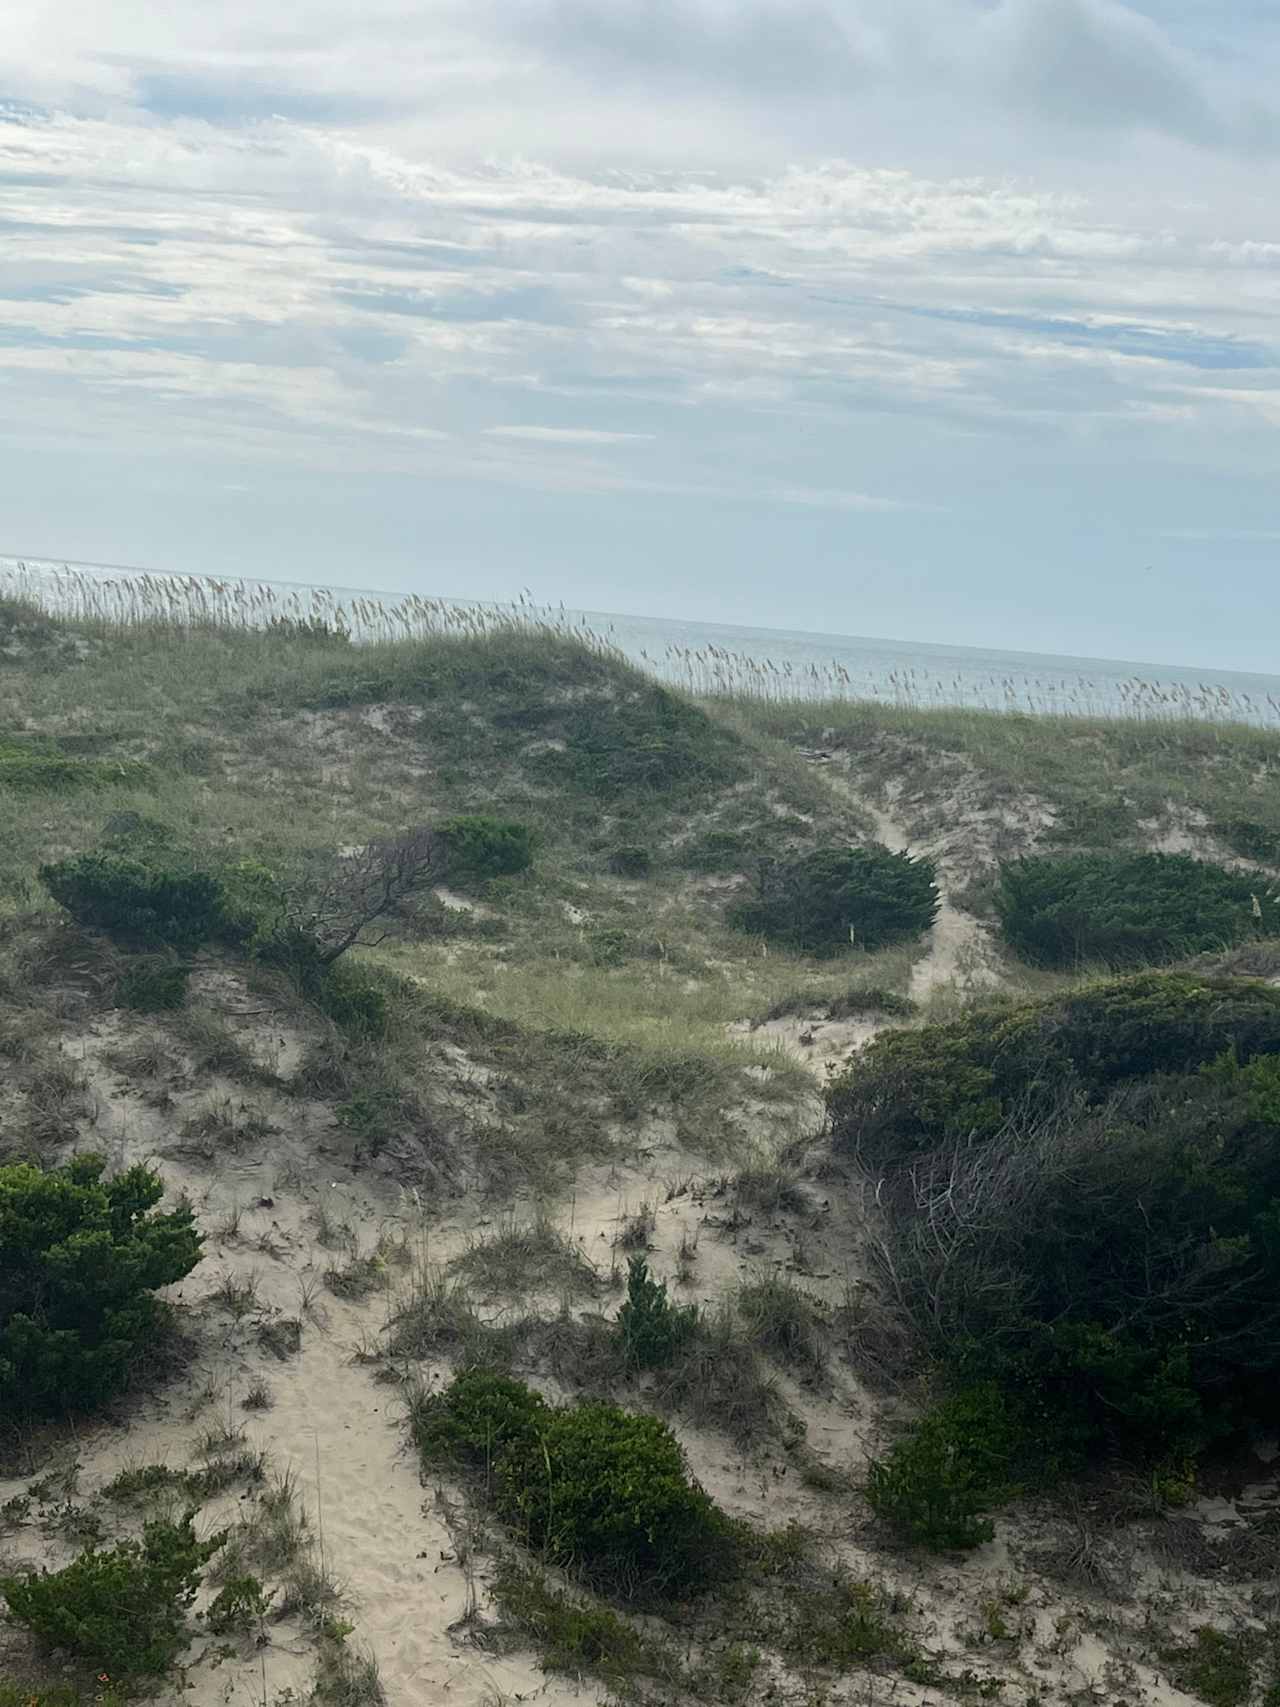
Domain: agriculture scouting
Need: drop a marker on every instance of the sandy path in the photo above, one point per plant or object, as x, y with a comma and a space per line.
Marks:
956, 954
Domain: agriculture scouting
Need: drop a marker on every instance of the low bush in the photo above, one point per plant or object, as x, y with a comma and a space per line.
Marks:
1250, 838
641, 740
630, 861
934, 1486
835, 898
1127, 910
592, 1487
36, 765
122, 1609
149, 897
652, 1329
478, 848
80, 1259
910, 1090
1109, 1265
153, 986
239, 1607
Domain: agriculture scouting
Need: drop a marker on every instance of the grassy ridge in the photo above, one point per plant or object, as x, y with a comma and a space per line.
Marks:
1103, 777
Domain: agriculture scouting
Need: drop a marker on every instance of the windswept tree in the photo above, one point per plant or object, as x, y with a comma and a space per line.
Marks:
350, 905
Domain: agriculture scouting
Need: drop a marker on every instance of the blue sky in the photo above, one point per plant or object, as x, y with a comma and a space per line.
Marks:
954, 320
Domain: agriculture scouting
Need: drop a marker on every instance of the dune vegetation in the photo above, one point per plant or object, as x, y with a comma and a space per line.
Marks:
517, 1178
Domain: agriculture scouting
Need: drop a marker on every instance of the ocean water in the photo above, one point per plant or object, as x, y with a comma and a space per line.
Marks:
726, 657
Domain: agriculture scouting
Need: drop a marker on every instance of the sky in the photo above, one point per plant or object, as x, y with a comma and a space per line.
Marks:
944, 320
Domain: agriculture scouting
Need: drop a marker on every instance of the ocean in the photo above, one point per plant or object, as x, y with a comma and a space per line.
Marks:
724, 657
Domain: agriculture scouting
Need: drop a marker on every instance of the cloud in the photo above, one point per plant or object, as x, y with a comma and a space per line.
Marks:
566, 435
1095, 63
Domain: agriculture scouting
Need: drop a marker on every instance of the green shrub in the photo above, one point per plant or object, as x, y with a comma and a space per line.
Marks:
835, 898
149, 900
123, 1609
1215, 1665
355, 999
1250, 838
909, 1090
717, 851
611, 946
479, 848
80, 1257
1124, 910
1109, 1262
590, 1486
643, 740
238, 1607
36, 765
477, 1417
630, 861
153, 986
934, 1486
652, 1329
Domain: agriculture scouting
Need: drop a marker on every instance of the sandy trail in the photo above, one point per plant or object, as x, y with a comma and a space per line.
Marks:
956, 955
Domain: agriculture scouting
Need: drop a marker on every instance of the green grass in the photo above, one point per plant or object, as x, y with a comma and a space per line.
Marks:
1103, 777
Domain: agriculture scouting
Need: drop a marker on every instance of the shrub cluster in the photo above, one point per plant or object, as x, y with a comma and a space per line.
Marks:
123, 1609
1127, 910
642, 741
478, 848
1100, 1272
592, 1487
909, 1090
833, 898
80, 1259
147, 894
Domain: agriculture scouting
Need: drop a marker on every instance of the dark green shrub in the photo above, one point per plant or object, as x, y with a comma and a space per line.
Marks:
146, 901
590, 1486
1250, 838
934, 1486
479, 848
652, 1329
477, 1417
1110, 1263
153, 986
909, 1090
835, 898
630, 861
608, 1491
1127, 909
124, 1609
80, 1257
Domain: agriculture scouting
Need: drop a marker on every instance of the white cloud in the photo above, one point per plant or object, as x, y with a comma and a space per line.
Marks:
566, 435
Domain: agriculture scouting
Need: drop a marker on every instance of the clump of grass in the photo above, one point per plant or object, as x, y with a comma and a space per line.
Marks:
636, 1228
439, 1318
346, 1677
717, 1381
788, 1323
365, 1272
522, 1257
773, 1188
225, 1126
